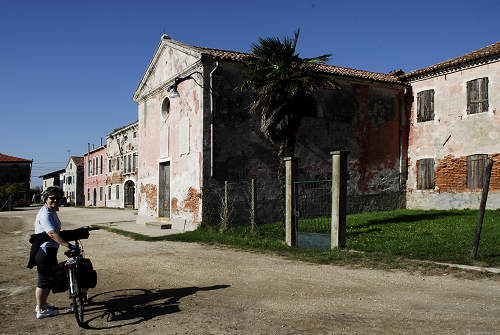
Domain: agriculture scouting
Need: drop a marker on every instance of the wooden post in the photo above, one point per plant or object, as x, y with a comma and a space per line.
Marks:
482, 207
290, 224
252, 206
339, 198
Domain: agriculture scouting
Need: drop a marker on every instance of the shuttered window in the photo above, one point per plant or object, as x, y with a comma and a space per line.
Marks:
475, 170
477, 96
425, 173
425, 106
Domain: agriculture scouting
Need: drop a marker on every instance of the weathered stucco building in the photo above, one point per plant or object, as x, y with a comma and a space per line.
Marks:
95, 177
73, 181
193, 142
454, 127
121, 153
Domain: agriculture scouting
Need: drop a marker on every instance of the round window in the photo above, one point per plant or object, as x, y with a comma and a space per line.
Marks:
165, 108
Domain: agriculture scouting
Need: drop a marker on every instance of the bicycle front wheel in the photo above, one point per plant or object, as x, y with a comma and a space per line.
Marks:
78, 308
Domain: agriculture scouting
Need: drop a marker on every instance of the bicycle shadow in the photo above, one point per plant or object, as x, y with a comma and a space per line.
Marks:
136, 305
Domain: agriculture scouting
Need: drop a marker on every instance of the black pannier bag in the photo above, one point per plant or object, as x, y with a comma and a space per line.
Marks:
88, 276
75, 234
60, 281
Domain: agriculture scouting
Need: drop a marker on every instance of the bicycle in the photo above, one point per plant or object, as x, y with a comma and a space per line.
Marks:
74, 267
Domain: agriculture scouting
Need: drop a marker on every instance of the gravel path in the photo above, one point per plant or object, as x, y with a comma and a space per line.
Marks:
181, 288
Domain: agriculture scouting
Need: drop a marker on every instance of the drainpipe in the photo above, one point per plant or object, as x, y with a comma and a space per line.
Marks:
400, 141
212, 120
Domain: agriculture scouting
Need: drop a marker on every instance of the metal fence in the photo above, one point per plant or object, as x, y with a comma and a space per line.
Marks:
231, 204
313, 205
240, 202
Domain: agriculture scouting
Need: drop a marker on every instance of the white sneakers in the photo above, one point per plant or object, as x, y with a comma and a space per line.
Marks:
46, 313
49, 306
51, 310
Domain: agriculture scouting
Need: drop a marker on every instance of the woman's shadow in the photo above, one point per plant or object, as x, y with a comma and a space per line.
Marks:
133, 306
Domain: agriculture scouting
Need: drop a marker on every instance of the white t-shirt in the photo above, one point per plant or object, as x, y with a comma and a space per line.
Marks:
47, 220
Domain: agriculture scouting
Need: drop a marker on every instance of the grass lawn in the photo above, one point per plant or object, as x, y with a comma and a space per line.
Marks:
445, 236
391, 238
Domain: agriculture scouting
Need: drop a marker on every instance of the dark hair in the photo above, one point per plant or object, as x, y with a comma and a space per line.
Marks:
52, 190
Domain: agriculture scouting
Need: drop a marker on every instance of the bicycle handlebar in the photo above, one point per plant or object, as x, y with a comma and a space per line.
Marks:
77, 234
72, 253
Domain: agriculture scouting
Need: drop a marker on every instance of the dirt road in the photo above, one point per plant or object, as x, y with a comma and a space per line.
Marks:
180, 288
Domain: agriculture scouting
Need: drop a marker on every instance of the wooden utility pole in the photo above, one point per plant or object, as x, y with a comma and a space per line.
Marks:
484, 197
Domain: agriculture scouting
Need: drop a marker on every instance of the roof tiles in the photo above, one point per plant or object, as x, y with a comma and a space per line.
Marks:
78, 160
325, 68
489, 51
7, 158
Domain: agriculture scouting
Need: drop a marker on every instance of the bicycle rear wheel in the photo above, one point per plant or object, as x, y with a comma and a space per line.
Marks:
78, 308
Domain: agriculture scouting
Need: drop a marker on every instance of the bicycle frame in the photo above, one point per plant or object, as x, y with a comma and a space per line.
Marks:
77, 293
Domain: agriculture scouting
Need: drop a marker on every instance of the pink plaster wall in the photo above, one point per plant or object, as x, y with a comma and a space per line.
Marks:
154, 128
95, 181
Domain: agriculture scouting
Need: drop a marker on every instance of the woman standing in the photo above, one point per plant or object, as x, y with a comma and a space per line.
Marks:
48, 222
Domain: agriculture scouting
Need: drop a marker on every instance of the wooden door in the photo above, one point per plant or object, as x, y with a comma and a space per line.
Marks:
164, 194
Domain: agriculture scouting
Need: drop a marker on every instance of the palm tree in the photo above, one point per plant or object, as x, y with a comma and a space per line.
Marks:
283, 84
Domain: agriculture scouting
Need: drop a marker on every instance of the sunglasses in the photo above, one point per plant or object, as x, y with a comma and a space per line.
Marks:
54, 198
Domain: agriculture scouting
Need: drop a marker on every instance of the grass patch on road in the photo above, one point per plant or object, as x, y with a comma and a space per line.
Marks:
393, 239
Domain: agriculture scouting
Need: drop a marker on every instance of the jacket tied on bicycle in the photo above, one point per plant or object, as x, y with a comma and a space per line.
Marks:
37, 240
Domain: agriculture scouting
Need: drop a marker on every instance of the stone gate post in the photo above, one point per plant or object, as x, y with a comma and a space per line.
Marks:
339, 197
290, 222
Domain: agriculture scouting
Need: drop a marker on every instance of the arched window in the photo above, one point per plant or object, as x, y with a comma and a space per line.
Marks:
165, 108
129, 194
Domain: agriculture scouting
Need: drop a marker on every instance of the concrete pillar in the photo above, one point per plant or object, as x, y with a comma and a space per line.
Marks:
339, 197
290, 222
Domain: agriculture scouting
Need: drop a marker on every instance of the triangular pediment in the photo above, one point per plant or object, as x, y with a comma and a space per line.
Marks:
171, 58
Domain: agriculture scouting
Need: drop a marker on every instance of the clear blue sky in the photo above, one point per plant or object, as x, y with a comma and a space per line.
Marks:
68, 69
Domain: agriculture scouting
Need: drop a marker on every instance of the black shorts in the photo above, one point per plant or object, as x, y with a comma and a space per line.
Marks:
45, 263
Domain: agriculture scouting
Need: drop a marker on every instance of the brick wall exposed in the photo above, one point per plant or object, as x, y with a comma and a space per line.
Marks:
495, 172
451, 174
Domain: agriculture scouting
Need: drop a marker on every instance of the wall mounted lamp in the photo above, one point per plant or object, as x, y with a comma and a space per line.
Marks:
173, 88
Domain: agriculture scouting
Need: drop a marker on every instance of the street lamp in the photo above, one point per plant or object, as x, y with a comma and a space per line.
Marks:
173, 88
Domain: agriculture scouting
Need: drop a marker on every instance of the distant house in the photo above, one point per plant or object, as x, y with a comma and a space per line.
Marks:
121, 155
73, 181
54, 178
16, 170
95, 177
454, 127
191, 142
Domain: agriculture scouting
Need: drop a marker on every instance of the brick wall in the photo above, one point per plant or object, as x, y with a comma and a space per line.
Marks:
451, 174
